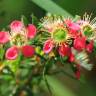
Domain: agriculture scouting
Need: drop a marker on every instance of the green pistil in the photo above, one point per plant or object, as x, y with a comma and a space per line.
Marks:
87, 31
59, 35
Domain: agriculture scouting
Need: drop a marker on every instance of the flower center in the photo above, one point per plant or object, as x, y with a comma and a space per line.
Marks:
87, 30
18, 40
59, 35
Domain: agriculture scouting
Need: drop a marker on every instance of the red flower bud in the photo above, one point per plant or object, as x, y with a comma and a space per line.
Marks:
72, 57
31, 31
80, 43
89, 47
28, 51
78, 73
4, 37
64, 50
11, 53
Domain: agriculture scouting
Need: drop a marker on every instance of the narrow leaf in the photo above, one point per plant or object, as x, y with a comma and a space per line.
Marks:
57, 88
50, 6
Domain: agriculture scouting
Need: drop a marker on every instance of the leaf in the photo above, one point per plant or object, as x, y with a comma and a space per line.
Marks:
2, 51
76, 18
13, 64
24, 20
57, 88
34, 19
51, 7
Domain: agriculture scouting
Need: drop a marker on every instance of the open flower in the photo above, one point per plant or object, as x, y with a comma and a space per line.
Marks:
28, 50
59, 36
4, 37
88, 27
12, 53
20, 34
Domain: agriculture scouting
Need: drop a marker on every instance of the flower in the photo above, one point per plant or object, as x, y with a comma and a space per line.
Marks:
73, 28
48, 46
77, 73
11, 53
72, 57
79, 43
88, 26
4, 37
71, 25
20, 34
31, 31
16, 26
89, 47
28, 50
58, 37
64, 50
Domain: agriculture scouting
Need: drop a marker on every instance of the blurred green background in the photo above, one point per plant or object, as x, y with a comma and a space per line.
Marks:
14, 9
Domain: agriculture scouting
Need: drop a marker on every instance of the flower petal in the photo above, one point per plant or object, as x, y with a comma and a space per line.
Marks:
71, 25
48, 46
31, 31
4, 37
28, 50
11, 53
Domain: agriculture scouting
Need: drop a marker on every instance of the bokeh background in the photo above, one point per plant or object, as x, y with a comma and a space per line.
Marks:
14, 9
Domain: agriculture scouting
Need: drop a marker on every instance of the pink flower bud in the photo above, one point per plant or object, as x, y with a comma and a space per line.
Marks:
48, 46
11, 53
28, 50
4, 37
16, 26
31, 31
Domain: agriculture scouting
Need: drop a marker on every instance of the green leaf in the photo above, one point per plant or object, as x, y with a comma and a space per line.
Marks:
2, 51
57, 88
76, 18
52, 7
13, 64
34, 19
24, 20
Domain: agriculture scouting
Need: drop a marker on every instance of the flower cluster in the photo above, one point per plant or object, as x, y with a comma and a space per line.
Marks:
70, 38
64, 37
65, 34
18, 37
